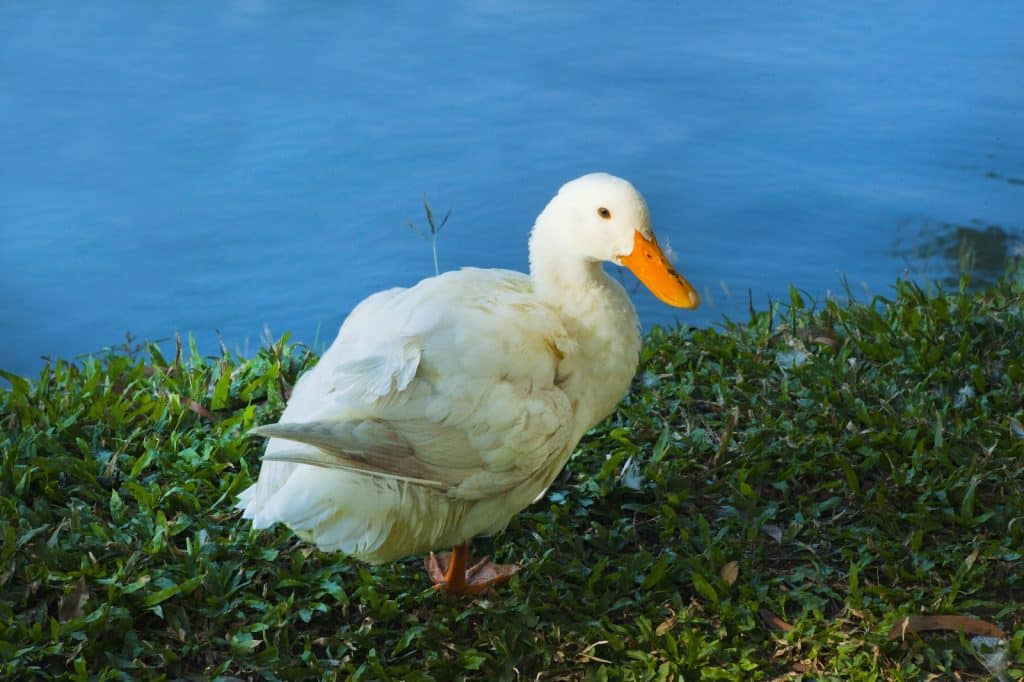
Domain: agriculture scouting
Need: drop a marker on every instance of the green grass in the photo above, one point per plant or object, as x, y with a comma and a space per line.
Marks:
768, 502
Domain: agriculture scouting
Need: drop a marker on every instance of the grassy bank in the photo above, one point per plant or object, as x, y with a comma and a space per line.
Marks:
774, 499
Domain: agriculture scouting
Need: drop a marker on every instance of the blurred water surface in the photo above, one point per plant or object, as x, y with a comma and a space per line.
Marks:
219, 168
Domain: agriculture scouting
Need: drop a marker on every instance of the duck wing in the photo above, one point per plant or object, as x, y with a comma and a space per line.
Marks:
454, 384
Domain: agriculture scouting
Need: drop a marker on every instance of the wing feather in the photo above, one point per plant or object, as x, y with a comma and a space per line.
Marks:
455, 383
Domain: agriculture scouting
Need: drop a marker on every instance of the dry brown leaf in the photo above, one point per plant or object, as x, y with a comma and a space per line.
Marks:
966, 624
195, 407
70, 605
202, 411
823, 336
585, 655
730, 572
667, 625
772, 531
774, 622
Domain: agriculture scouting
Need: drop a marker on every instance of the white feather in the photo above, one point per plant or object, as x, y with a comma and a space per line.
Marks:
476, 385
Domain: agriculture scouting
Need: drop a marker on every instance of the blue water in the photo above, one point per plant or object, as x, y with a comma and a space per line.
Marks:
222, 168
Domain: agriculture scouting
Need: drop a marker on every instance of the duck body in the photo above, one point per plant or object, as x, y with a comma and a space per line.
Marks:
495, 385
443, 409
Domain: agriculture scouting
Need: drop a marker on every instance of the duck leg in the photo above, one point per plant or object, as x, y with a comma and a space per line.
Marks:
449, 572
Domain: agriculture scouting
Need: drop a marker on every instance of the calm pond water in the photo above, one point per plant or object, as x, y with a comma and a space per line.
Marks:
222, 168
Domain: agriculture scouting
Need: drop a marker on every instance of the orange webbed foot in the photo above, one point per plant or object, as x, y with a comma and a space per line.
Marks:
449, 573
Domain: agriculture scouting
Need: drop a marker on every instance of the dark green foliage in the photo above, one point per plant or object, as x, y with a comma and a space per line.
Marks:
858, 464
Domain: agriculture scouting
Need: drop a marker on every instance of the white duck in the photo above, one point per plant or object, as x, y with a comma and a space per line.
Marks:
442, 410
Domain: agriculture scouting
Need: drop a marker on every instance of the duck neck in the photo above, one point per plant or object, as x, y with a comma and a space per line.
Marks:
597, 313
560, 276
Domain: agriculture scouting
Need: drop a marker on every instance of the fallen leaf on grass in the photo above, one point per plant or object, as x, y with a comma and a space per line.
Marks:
667, 625
772, 531
201, 411
193, 406
730, 572
585, 655
774, 622
823, 336
967, 624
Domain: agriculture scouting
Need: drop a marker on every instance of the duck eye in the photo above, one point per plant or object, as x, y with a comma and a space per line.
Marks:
604, 213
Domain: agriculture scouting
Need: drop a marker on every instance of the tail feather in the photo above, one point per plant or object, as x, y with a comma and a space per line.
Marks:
369, 446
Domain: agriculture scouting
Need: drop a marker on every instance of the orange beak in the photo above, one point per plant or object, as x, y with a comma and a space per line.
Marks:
651, 267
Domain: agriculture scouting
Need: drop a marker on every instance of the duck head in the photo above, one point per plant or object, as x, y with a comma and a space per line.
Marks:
600, 217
